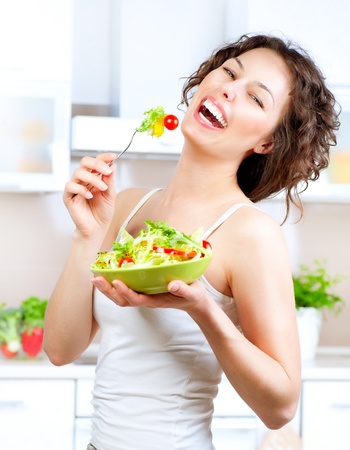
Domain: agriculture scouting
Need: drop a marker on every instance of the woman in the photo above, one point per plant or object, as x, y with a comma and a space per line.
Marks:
260, 119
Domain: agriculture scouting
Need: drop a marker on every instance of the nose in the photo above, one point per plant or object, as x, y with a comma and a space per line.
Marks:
231, 89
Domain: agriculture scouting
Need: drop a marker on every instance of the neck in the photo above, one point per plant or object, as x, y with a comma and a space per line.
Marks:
205, 178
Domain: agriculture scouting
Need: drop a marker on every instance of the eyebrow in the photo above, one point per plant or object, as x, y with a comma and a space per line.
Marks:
261, 85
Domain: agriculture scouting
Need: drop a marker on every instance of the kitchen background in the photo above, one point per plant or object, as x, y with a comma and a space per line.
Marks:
119, 58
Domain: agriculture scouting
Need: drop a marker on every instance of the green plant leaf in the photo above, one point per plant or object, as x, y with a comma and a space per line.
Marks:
313, 287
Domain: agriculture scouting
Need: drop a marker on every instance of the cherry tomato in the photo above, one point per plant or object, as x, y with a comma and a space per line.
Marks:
171, 122
125, 260
206, 244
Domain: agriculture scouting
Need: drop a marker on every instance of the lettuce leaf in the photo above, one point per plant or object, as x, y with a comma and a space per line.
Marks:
142, 248
152, 116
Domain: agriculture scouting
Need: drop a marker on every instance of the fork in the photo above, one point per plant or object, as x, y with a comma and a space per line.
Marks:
120, 154
125, 149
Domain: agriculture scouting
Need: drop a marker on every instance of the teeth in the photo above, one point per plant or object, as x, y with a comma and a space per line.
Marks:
215, 112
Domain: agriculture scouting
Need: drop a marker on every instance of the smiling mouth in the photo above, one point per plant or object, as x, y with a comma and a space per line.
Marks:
211, 113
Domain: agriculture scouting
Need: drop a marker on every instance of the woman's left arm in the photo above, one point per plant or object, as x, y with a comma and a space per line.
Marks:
263, 363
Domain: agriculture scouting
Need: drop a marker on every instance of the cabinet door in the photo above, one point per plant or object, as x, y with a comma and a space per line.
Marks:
83, 397
234, 424
235, 433
83, 412
326, 415
36, 40
37, 414
82, 433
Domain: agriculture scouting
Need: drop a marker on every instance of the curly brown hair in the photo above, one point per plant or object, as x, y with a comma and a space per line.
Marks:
303, 137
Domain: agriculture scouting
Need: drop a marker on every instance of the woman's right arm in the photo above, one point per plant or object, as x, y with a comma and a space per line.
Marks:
89, 198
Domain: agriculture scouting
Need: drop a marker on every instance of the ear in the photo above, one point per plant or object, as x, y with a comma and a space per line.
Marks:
263, 149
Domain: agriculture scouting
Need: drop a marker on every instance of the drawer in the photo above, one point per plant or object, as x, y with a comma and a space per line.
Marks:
37, 414
82, 433
326, 415
235, 433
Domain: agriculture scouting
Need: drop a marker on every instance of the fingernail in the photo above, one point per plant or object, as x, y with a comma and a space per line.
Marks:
95, 282
115, 285
88, 195
174, 287
102, 186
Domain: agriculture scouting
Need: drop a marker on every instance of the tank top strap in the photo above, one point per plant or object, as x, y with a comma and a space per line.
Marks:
225, 216
138, 206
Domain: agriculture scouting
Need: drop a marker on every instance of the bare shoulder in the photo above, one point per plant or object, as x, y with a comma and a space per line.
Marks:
255, 224
253, 245
127, 198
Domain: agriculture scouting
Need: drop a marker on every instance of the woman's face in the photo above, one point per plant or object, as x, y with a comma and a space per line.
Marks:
238, 105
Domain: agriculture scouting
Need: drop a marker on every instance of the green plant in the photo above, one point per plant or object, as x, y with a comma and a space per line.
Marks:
313, 288
10, 335
33, 312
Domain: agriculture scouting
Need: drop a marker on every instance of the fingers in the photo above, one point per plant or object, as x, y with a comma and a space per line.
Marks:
100, 164
180, 295
118, 292
93, 173
193, 291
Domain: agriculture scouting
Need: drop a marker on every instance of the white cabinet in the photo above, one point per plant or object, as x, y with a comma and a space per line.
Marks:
36, 40
234, 425
235, 432
35, 94
53, 412
83, 411
326, 415
37, 414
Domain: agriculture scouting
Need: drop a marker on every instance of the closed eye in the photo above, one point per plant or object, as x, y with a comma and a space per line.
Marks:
230, 73
258, 101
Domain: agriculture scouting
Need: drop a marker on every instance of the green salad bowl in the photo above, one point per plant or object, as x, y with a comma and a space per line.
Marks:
155, 279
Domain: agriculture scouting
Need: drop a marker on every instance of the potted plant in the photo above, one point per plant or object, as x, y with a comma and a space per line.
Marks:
313, 293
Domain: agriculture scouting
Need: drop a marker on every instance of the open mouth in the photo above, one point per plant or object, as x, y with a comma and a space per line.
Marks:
210, 112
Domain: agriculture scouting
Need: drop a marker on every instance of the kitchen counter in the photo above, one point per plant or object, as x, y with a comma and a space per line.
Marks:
331, 363
42, 368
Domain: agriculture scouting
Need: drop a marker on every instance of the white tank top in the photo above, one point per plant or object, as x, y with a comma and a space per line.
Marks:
156, 375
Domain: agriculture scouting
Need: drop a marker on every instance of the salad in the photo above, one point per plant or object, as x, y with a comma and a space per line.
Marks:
158, 244
156, 120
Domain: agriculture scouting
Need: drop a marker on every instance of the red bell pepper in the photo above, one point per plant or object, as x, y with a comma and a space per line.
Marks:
33, 325
175, 251
32, 341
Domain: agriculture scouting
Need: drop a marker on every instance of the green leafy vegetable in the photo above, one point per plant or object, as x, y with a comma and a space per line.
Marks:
33, 313
313, 288
153, 115
10, 327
